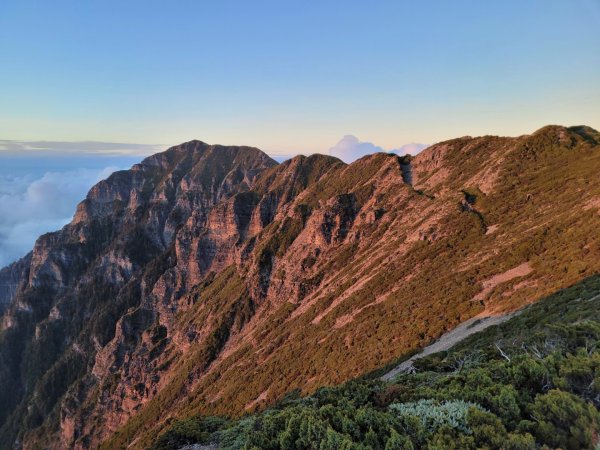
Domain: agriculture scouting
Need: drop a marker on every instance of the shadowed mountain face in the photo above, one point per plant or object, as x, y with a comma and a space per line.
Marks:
210, 280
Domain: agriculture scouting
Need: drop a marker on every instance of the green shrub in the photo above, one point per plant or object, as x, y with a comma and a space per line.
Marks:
434, 415
565, 421
193, 430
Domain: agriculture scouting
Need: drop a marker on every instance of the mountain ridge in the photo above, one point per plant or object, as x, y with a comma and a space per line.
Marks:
204, 264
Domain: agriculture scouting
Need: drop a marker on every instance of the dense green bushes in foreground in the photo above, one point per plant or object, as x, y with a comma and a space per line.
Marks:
533, 382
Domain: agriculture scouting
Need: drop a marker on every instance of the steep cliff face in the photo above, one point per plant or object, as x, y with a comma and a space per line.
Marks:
209, 280
12, 279
79, 283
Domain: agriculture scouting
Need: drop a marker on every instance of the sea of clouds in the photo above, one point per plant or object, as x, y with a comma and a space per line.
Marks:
31, 206
41, 184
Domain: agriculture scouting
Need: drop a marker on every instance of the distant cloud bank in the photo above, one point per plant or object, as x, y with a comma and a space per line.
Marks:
40, 188
350, 148
33, 206
78, 148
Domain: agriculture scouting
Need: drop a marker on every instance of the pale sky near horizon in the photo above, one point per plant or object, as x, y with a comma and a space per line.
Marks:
295, 76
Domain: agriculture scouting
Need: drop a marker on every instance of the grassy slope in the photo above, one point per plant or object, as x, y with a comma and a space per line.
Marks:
538, 206
421, 308
532, 381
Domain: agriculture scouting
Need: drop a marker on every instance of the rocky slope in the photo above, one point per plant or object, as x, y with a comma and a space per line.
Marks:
526, 383
210, 280
11, 278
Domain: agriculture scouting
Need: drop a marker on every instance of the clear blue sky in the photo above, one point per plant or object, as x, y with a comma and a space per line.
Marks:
295, 75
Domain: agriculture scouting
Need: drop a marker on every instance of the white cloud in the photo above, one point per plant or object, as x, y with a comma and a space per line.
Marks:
41, 183
411, 149
31, 206
350, 148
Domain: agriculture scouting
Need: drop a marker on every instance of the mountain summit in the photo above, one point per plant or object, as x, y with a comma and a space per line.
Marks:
212, 280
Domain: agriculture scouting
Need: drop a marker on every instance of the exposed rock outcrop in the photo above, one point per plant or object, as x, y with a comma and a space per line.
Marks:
12, 279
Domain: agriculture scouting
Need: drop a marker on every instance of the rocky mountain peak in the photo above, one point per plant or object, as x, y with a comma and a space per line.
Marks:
206, 265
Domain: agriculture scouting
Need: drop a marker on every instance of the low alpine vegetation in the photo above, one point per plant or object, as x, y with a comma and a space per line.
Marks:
532, 382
